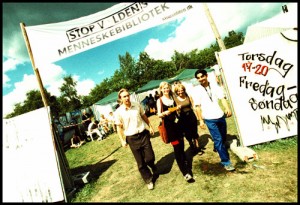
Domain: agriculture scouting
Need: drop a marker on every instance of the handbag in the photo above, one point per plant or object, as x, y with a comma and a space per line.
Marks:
162, 129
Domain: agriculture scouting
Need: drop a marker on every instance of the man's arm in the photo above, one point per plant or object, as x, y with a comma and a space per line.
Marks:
226, 107
146, 119
121, 135
199, 116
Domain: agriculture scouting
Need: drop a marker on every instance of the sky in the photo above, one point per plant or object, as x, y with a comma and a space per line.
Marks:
93, 66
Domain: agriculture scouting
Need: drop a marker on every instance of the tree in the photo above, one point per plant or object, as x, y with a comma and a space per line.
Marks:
234, 39
69, 100
54, 106
145, 66
128, 67
163, 70
32, 102
180, 60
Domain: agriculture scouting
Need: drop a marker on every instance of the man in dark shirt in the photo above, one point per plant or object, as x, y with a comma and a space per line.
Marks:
86, 119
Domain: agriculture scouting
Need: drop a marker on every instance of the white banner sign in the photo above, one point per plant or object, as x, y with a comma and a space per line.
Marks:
53, 42
262, 81
30, 168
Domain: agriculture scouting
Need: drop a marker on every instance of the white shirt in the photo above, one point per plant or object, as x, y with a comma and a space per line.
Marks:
131, 119
90, 129
111, 118
209, 100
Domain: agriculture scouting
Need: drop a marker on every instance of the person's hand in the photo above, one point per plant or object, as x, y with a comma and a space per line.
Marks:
228, 113
151, 130
124, 143
202, 124
165, 113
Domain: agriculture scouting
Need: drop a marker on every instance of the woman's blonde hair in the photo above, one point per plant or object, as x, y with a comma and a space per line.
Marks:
162, 84
178, 87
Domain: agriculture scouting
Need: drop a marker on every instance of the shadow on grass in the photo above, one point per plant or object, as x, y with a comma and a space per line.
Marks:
95, 169
156, 134
230, 138
203, 141
164, 165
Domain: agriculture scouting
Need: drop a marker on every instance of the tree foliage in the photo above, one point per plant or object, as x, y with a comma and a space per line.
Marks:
33, 101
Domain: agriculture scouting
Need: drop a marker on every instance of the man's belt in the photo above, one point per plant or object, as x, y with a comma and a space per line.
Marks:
145, 131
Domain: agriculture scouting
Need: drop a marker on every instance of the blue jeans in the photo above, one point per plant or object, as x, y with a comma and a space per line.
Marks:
218, 132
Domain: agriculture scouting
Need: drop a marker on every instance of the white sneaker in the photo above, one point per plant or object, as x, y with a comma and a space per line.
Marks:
229, 167
150, 186
189, 178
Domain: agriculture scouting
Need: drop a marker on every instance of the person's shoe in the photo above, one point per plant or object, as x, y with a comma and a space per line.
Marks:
150, 186
229, 167
189, 178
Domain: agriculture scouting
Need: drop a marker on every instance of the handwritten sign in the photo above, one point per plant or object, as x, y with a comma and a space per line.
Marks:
262, 83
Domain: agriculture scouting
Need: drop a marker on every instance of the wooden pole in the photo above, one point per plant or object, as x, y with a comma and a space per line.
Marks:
222, 47
36, 71
213, 27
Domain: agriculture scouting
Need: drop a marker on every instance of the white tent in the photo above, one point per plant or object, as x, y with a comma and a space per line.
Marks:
284, 23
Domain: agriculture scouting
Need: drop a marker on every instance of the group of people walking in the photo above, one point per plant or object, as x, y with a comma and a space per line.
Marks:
177, 109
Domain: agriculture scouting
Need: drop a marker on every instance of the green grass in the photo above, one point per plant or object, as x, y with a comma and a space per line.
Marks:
115, 178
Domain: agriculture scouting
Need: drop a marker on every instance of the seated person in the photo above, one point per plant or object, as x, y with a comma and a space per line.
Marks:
104, 123
76, 141
111, 121
93, 128
100, 127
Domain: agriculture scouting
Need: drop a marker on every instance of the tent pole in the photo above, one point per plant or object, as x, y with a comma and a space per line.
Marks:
36, 71
213, 27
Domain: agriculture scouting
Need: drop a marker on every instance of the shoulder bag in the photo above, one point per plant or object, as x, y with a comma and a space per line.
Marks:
161, 127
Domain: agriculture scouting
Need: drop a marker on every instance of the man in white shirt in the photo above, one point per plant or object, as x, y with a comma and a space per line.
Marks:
133, 125
207, 96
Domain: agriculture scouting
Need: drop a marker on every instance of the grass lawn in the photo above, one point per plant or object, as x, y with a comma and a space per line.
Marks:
115, 178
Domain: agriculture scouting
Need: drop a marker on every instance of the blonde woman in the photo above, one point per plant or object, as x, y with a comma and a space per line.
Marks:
187, 118
166, 109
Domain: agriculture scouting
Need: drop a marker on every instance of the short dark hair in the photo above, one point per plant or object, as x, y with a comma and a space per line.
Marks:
202, 71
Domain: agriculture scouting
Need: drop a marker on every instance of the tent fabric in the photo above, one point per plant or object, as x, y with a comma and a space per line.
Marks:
279, 23
185, 74
150, 85
108, 99
188, 74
